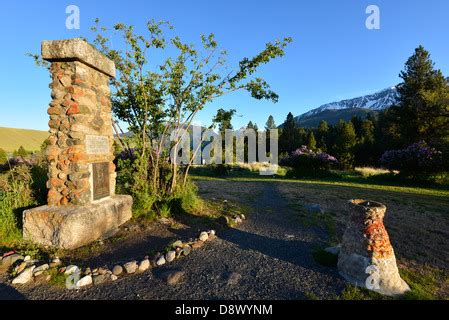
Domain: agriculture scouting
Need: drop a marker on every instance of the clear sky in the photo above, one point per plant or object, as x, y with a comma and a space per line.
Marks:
333, 56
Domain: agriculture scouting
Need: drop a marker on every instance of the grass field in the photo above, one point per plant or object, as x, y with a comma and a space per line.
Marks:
11, 139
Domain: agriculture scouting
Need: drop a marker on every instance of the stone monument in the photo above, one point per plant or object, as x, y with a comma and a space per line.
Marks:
82, 204
366, 256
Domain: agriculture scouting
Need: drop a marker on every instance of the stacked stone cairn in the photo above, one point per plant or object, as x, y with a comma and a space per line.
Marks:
366, 257
82, 206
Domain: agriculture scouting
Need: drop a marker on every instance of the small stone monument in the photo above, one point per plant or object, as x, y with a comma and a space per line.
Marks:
366, 257
82, 204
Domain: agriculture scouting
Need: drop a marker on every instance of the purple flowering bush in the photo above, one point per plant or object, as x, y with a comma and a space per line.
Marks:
416, 158
306, 159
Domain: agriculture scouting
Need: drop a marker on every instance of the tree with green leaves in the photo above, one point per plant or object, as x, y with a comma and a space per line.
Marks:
155, 101
223, 120
422, 112
21, 152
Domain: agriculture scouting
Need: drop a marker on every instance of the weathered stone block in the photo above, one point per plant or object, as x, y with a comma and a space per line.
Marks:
77, 50
70, 227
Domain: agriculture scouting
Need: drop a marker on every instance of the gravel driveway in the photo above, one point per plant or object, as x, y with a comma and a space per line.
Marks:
266, 257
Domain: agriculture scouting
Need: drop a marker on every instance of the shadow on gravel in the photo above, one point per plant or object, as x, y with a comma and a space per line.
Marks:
9, 293
130, 249
293, 251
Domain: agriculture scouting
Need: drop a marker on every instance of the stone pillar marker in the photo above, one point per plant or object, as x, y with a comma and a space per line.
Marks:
82, 204
367, 257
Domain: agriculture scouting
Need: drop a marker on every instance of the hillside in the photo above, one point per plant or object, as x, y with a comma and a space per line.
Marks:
11, 139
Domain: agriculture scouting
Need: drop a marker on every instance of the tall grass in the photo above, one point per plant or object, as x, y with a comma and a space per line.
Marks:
12, 204
21, 187
369, 171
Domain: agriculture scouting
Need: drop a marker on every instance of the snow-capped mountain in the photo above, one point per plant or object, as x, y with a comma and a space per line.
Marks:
346, 109
376, 101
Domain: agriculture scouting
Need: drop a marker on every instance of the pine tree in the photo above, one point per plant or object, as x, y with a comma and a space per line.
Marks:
301, 137
345, 142
322, 133
270, 124
311, 141
288, 137
364, 152
423, 109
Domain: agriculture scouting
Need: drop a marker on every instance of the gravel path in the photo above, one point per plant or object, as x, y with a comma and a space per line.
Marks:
266, 257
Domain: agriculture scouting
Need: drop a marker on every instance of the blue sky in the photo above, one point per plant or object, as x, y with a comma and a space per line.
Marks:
333, 56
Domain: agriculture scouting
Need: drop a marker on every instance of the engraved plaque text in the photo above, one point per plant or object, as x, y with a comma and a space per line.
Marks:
100, 180
97, 144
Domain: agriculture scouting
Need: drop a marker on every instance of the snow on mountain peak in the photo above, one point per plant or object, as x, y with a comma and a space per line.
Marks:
377, 101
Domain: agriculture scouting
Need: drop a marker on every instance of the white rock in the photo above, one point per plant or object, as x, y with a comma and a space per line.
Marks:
56, 260
83, 282
160, 261
117, 270
177, 243
131, 267
27, 258
170, 256
71, 270
25, 277
204, 236
41, 269
144, 265
212, 232
114, 277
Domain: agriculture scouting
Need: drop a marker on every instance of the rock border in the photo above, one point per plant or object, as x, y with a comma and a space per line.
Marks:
24, 270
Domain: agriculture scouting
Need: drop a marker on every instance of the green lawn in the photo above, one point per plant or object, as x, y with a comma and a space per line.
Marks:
431, 191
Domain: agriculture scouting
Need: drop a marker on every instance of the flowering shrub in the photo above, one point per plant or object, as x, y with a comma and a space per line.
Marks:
416, 158
305, 159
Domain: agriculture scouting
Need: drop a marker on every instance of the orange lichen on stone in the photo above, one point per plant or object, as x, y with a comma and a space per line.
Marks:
378, 240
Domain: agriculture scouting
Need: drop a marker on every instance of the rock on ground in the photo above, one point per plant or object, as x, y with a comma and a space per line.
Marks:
234, 279
84, 282
25, 277
131, 267
144, 265
173, 277
117, 270
170, 256
204, 236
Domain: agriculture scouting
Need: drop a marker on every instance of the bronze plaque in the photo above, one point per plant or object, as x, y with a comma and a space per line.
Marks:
101, 180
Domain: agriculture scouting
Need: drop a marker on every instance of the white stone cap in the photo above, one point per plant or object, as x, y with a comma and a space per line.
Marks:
77, 50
